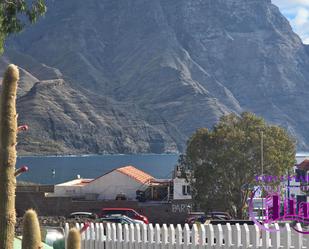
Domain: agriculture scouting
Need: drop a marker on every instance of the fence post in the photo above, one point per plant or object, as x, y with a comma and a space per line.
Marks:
219, 237
276, 238
150, 236
202, 237
92, 238
187, 236
137, 236
108, 235
287, 237
238, 235
256, 242
83, 235
87, 235
266, 237
298, 237
195, 236
245, 236
178, 237
126, 236
144, 236
66, 232
97, 236
102, 236
113, 236
119, 236
171, 232
228, 236
131, 232
210, 236
157, 236
164, 235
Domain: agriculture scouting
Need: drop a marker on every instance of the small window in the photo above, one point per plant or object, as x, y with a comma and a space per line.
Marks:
184, 190
188, 190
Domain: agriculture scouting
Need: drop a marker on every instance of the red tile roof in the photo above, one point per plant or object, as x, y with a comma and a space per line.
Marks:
136, 174
76, 182
304, 165
83, 182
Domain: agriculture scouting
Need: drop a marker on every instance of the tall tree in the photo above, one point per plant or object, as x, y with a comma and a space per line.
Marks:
14, 14
226, 160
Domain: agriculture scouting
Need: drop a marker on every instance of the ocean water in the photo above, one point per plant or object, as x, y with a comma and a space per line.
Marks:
66, 168
58, 169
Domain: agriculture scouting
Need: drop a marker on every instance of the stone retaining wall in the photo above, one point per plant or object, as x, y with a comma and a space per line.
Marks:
174, 212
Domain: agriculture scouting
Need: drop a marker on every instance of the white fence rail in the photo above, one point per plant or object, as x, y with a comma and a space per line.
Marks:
117, 236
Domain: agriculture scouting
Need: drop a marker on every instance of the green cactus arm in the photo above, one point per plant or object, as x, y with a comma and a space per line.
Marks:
74, 239
31, 231
8, 131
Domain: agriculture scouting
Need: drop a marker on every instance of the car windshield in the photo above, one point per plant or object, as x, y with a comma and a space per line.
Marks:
128, 219
110, 212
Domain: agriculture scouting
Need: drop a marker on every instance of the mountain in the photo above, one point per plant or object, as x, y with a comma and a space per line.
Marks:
67, 120
107, 69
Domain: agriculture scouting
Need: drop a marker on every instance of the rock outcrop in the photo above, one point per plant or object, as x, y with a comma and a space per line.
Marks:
140, 76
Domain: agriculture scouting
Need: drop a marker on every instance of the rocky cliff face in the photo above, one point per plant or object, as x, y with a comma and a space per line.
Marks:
66, 120
141, 76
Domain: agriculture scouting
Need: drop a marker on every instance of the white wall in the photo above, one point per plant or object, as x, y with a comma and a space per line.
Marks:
65, 190
178, 193
111, 184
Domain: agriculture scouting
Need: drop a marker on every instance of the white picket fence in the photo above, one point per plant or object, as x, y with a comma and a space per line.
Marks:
117, 236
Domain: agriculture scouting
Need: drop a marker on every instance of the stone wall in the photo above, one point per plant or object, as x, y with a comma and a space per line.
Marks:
174, 212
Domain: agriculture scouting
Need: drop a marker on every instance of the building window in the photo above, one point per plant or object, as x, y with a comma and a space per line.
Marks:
70, 191
186, 190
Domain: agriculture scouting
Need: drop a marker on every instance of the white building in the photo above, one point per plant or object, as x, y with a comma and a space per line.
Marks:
69, 189
124, 181
182, 189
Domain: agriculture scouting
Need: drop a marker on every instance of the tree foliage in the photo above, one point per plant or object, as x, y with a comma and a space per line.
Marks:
226, 160
14, 14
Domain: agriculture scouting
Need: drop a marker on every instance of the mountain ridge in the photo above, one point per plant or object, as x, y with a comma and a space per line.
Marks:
173, 66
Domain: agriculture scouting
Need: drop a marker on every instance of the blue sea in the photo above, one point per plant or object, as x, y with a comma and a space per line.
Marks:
58, 169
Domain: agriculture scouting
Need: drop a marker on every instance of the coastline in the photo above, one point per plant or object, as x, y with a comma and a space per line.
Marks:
94, 155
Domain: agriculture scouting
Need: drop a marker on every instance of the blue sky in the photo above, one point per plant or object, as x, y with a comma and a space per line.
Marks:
297, 11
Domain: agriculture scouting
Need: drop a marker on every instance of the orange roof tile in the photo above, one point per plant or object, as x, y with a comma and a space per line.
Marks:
304, 165
135, 173
83, 182
76, 182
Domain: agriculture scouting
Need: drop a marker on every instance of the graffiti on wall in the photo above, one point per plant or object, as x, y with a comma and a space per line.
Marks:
181, 208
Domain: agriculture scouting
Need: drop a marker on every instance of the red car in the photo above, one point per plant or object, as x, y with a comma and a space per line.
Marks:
124, 211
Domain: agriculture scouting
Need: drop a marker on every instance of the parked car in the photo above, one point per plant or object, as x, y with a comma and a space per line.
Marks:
129, 212
87, 215
192, 216
118, 218
219, 215
210, 216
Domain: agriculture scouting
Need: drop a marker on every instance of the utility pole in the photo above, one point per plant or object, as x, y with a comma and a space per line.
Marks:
262, 169
262, 153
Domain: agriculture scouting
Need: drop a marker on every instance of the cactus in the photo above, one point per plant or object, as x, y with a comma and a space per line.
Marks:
31, 231
74, 240
8, 133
